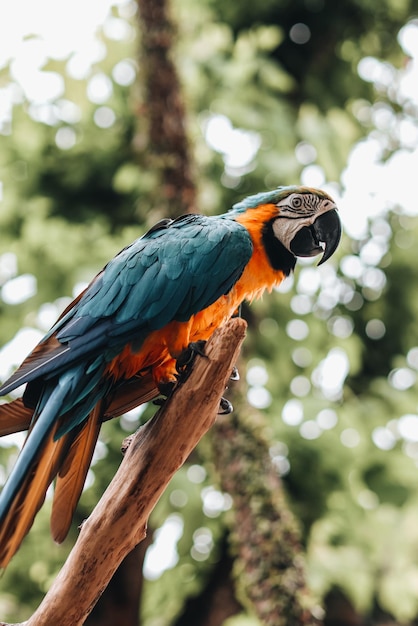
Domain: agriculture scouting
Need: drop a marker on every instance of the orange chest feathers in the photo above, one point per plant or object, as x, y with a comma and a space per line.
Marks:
163, 346
258, 276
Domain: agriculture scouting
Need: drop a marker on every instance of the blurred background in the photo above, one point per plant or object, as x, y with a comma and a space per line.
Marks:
326, 425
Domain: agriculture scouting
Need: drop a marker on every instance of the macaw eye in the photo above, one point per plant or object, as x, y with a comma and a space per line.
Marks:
296, 202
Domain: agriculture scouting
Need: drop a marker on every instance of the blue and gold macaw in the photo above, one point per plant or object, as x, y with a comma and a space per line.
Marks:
117, 344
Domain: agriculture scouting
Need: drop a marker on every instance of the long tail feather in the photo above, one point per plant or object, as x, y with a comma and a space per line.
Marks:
46, 455
14, 417
72, 474
35, 468
19, 517
33, 447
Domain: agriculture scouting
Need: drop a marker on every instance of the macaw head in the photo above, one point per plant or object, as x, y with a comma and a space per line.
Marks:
305, 220
307, 223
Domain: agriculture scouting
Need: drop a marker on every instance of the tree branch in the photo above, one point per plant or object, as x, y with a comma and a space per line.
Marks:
264, 535
155, 453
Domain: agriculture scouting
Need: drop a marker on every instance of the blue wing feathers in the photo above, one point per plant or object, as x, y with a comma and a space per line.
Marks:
174, 271
168, 274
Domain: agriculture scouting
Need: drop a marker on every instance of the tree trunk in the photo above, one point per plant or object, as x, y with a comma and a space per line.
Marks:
164, 111
264, 535
217, 600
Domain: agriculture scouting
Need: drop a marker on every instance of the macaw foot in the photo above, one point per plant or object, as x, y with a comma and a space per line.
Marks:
234, 374
165, 389
183, 366
186, 358
182, 370
225, 407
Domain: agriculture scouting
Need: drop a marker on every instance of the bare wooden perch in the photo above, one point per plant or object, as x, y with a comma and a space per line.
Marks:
156, 452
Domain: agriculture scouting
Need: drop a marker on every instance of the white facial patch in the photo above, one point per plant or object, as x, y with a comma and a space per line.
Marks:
296, 211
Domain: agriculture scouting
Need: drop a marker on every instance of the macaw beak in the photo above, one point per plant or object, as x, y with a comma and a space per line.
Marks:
322, 236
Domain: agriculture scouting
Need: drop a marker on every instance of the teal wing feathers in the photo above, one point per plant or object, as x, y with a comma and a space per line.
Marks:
177, 269
159, 278
170, 273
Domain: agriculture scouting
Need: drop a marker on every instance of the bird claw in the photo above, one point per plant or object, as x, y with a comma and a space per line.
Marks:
165, 389
183, 365
188, 355
234, 374
159, 401
225, 407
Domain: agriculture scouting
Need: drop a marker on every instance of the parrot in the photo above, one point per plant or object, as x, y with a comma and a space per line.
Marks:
123, 340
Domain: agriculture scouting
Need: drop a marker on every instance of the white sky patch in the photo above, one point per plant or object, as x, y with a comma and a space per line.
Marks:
8, 266
162, 553
214, 501
257, 375
47, 315
292, 413
65, 138
33, 33
350, 438
196, 474
14, 439
309, 281
99, 88
408, 39
331, 373
17, 349
383, 438
408, 427
62, 27
19, 289
124, 72
375, 71
237, 146
327, 419
402, 378
313, 176
202, 544
297, 330
372, 186
259, 397
310, 430
104, 117
80, 62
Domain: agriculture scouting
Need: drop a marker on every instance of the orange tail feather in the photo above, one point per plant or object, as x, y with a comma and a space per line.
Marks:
72, 474
30, 498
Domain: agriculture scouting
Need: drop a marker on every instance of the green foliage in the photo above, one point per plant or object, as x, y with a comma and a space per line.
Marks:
320, 56
69, 207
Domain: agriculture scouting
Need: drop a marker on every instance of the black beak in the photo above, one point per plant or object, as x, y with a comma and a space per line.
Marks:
322, 236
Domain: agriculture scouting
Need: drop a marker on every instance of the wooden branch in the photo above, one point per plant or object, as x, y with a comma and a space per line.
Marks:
155, 453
